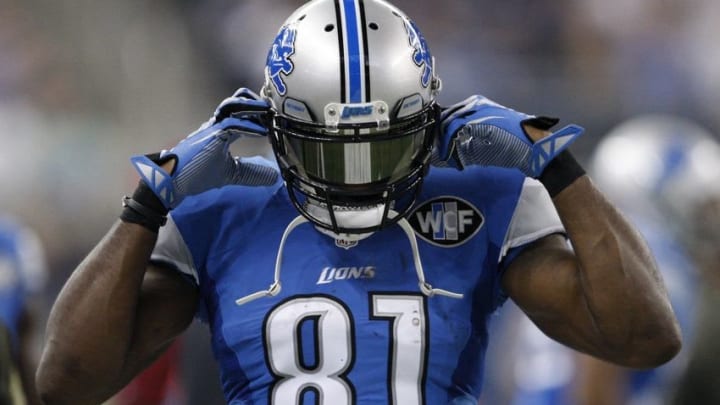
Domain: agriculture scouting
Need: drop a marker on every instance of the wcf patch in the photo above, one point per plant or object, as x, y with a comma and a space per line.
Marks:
446, 221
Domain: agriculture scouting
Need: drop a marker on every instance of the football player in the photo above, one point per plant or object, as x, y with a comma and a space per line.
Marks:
350, 270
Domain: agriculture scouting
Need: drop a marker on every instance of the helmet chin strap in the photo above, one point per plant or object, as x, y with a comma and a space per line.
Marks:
348, 218
275, 288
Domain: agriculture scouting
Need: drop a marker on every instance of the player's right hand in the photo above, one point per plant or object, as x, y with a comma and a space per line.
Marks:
202, 161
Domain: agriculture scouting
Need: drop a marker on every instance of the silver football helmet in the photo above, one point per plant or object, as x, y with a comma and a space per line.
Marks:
352, 86
659, 164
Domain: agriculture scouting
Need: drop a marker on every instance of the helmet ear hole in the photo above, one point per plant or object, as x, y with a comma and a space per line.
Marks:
329, 27
373, 26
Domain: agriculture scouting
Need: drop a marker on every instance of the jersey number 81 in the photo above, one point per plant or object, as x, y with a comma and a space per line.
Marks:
333, 342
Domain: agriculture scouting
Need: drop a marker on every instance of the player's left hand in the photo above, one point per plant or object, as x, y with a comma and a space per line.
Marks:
478, 131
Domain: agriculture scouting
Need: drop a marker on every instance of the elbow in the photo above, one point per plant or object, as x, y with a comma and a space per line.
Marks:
49, 387
656, 350
668, 347
57, 382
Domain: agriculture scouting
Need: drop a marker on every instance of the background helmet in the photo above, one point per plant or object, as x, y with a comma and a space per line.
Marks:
662, 165
352, 86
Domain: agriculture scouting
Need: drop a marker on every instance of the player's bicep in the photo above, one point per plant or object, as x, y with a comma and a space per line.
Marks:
167, 305
543, 281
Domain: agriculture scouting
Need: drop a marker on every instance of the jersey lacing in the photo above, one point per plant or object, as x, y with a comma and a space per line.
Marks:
274, 289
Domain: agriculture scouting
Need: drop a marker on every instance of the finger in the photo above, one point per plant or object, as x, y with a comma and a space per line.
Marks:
252, 173
471, 105
234, 128
246, 93
243, 104
465, 116
541, 122
240, 105
457, 106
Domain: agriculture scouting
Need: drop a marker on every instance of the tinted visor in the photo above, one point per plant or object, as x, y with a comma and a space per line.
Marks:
355, 155
355, 163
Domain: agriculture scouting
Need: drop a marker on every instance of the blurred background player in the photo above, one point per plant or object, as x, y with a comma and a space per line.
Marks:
700, 380
663, 172
672, 169
22, 273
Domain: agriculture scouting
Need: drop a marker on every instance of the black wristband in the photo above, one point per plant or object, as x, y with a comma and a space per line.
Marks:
562, 171
144, 208
145, 196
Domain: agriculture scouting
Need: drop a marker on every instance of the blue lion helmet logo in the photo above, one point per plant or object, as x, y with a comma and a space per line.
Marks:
278, 60
421, 56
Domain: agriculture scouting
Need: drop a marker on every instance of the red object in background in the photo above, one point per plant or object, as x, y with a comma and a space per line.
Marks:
159, 384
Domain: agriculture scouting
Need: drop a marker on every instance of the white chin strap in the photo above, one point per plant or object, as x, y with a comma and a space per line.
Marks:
275, 288
364, 217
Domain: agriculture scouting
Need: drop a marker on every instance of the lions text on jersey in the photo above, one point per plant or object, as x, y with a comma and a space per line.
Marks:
350, 323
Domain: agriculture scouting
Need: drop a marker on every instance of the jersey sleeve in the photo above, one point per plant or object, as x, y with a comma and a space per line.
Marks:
534, 217
171, 250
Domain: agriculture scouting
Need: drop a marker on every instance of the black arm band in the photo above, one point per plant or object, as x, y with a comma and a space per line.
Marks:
560, 173
144, 208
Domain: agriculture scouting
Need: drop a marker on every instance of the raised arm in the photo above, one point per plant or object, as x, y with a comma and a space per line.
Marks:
117, 313
605, 297
111, 319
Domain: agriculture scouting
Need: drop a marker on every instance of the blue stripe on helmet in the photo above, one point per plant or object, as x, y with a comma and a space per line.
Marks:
354, 57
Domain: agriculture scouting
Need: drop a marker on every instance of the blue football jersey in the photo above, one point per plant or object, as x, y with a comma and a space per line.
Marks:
350, 324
